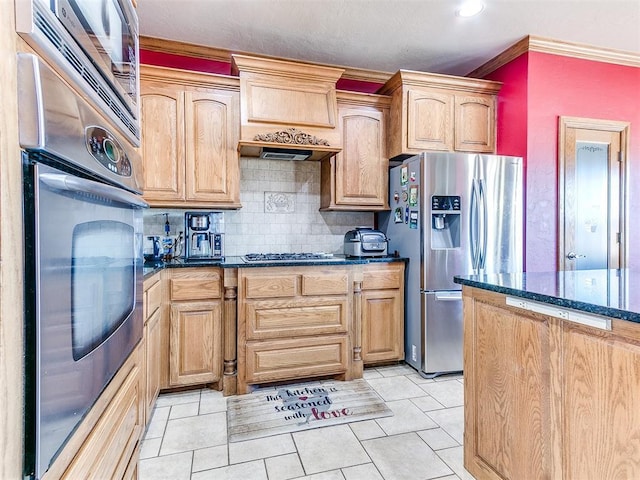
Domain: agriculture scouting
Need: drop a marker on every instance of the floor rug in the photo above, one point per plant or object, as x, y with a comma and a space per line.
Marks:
292, 408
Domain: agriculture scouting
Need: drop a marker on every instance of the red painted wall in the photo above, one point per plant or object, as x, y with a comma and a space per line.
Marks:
554, 86
184, 62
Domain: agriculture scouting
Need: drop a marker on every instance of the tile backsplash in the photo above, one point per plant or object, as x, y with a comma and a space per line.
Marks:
280, 212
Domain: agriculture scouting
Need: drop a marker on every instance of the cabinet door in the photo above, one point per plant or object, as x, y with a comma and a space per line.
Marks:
162, 108
153, 359
195, 345
212, 132
508, 394
361, 169
429, 121
382, 325
600, 400
475, 123
113, 443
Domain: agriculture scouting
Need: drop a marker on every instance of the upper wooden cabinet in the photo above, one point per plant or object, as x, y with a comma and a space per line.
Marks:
357, 177
190, 131
287, 105
441, 113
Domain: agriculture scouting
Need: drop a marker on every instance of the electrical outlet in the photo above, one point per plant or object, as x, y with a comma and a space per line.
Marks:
414, 353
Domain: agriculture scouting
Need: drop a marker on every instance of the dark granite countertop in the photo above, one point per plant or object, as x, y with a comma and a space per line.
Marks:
611, 293
237, 262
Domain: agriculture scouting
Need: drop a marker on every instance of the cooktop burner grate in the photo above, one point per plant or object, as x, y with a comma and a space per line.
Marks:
286, 257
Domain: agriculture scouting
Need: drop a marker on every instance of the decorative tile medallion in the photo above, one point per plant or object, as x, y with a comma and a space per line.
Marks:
279, 202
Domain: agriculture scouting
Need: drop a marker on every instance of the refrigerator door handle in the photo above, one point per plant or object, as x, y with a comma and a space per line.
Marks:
474, 226
483, 222
449, 296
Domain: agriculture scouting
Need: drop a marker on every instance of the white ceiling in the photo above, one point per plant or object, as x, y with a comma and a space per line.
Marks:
387, 35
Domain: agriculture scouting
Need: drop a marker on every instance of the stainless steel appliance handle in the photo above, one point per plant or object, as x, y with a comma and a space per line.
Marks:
473, 227
484, 229
69, 183
449, 296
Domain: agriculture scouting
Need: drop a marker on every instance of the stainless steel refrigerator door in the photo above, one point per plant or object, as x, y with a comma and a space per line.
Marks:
500, 182
491, 216
446, 175
407, 241
443, 332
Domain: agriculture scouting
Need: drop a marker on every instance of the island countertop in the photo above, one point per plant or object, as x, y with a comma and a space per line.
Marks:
610, 293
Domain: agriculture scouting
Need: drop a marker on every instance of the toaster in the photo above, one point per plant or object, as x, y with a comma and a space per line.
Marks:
365, 242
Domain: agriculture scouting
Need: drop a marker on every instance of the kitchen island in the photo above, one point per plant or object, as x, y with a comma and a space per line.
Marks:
552, 375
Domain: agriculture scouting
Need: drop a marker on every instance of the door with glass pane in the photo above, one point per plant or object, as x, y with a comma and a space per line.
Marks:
591, 199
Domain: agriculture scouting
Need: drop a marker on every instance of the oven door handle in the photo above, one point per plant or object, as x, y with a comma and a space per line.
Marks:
70, 183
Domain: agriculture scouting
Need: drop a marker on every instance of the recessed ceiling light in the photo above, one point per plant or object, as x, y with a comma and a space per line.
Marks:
470, 8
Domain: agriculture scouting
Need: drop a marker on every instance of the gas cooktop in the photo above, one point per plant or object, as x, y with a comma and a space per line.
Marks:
286, 257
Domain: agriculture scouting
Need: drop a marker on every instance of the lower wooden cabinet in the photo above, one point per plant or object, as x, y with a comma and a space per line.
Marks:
195, 343
383, 313
546, 397
153, 359
106, 443
153, 311
507, 390
293, 323
195, 326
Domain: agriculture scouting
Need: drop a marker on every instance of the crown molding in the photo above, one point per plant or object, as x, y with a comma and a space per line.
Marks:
532, 43
188, 77
221, 55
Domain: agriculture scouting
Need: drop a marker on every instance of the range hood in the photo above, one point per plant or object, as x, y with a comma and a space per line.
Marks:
286, 107
271, 153
282, 151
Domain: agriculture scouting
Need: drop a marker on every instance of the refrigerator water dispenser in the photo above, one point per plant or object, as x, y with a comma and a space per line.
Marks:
445, 222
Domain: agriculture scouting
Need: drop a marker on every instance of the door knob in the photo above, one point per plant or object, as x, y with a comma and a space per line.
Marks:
574, 255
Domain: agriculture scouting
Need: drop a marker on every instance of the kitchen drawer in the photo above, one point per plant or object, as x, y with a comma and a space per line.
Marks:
271, 286
383, 277
195, 284
153, 299
112, 444
298, 358
296, 317
323, 283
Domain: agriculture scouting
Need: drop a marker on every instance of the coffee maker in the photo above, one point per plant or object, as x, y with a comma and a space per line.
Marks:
204, 235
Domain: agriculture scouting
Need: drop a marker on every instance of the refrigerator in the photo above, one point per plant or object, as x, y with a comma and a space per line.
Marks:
451, 214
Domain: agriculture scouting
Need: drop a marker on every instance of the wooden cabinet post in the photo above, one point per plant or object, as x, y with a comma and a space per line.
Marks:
230, 373
357, 365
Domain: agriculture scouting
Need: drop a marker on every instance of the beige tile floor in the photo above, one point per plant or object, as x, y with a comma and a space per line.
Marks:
187, 438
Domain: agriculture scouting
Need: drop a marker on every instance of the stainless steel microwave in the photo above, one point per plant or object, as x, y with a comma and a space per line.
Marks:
93, 44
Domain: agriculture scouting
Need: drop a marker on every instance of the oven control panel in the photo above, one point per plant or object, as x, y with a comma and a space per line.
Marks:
107, 151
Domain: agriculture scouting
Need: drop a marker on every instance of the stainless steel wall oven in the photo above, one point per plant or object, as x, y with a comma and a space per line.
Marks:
94, 45
83, 257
